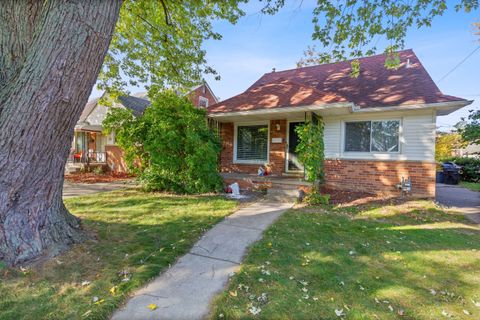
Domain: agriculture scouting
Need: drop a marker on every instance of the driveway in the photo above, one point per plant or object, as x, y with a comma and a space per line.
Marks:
459, 198
81, 189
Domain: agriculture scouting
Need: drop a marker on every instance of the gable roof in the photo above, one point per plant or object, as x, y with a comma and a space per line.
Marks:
207, 87
136, 104
88, 109
376, 86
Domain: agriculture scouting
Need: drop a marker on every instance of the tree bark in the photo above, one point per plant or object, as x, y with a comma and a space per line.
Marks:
50, 61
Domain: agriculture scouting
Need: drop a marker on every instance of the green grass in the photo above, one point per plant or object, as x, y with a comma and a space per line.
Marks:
474, 186
374, 262
135, 236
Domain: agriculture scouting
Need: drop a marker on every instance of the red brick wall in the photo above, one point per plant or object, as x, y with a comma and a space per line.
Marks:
277, 150
226, 155
363, 175
115, 159
201, 91
276, 155
381, 176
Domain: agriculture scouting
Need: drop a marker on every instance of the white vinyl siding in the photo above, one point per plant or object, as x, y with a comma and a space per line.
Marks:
417, 136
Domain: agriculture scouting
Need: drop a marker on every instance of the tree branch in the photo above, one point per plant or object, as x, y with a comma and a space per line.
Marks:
167, 14
169, 58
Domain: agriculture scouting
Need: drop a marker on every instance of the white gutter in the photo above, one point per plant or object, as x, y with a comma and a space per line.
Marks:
282, 110
441, 106
454, 105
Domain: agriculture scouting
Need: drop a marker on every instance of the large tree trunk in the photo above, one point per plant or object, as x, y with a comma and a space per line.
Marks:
51, 53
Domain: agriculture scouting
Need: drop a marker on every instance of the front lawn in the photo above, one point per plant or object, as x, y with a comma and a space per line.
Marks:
474, 186
135, 236
402, 261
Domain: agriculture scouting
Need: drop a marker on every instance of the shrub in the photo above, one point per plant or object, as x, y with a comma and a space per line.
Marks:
170, 146
98, 170
470, 168
316, 198
310, 149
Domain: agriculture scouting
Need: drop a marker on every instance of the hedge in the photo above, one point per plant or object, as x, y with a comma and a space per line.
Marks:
470, 168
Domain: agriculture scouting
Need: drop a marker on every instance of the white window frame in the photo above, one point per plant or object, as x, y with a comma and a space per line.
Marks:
202, 98
235, 136
287, 142
400, 135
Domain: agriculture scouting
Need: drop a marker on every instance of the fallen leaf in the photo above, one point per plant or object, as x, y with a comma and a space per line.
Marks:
152, 306
466, 312
113, 290
233, 293
446, 314
263, 298
87, 313
339, 313
100, 301
85, 283
254, 310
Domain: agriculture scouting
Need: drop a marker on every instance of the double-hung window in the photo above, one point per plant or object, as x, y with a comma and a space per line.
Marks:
372, 136
252, 143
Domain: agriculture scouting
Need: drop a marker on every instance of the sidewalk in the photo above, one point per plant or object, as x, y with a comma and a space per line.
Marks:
71, 189
186, 289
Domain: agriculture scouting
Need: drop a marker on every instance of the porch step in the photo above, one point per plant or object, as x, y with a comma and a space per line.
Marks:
73, 167
283, 194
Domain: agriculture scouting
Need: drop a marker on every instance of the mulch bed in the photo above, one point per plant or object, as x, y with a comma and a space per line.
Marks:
347, 198
90, 177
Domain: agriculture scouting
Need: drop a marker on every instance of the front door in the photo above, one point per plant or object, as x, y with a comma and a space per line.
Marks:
292, 161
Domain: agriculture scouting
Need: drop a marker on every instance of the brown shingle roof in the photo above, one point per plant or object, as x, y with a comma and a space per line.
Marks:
376, 86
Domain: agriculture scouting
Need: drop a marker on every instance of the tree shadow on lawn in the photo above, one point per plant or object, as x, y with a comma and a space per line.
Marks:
349, 260
135, 239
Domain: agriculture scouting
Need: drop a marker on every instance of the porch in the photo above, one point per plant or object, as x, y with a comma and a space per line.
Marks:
248, 181
88, 147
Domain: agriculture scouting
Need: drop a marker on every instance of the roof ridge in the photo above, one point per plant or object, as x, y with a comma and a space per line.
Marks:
329, 63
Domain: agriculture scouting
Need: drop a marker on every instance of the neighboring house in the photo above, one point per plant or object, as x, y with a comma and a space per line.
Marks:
91, 146
379, 127
470, 151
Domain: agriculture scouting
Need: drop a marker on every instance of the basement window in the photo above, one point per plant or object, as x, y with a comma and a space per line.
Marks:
252, 143
372, 136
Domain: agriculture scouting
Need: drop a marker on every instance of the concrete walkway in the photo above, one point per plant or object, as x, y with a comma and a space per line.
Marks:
71, 189
186, 289
461, 199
